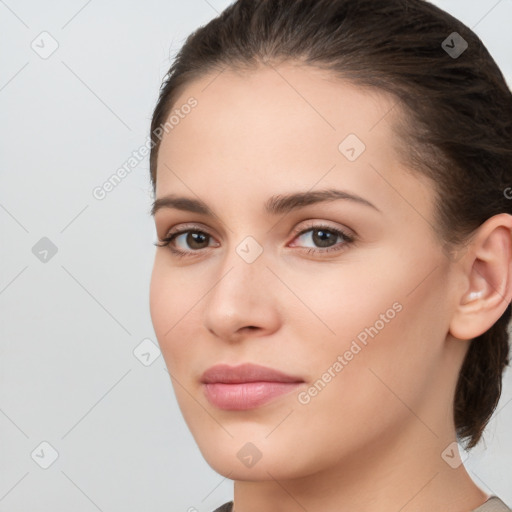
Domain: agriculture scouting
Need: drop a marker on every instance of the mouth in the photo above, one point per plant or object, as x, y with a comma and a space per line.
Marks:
246, 386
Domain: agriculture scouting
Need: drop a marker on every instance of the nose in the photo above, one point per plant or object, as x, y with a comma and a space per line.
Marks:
243, 299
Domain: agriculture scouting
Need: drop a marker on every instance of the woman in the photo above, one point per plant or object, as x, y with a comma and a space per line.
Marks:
332, 284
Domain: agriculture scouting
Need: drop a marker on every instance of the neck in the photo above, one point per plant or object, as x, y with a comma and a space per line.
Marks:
404, 473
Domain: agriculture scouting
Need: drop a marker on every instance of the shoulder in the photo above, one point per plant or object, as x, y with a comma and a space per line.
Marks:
229, 505
493, 504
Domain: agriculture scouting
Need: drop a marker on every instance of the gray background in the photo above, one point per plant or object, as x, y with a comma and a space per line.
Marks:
69, 375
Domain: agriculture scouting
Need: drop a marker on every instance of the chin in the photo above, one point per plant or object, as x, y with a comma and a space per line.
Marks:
271, 468
252, 457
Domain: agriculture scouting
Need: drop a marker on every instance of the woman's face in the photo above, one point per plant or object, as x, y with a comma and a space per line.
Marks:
360, 319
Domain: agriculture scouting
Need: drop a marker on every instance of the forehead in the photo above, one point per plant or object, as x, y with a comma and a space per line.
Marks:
274, 104
281, 127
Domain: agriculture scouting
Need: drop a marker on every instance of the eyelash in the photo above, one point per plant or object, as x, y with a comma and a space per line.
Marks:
347, 240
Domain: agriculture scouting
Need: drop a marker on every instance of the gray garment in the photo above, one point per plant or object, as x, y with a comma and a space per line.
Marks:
493, 504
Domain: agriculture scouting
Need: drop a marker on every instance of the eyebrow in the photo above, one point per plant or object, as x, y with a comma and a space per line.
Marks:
276, 205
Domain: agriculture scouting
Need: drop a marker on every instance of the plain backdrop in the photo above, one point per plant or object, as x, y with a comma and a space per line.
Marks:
88, 417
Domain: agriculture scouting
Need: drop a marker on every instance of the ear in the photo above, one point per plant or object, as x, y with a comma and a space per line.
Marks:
487, 276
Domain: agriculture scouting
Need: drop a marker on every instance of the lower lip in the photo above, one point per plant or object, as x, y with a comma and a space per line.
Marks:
245, 395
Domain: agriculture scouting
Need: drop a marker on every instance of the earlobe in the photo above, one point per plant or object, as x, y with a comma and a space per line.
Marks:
487, 266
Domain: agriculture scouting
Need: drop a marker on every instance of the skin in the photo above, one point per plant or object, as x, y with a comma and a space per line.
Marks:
372, 439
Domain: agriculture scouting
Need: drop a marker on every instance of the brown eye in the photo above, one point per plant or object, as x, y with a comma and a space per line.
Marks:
196, 239
324, 237
191, 239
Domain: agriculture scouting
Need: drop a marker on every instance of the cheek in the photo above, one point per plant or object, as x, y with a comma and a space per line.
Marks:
350, 301
167, 301
360, 398
175, 309
366, 317
384, 339
159, 302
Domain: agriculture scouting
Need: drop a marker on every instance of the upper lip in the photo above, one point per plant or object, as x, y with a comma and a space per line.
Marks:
247, 372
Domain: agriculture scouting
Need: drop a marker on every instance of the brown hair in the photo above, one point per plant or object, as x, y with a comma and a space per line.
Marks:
456, 113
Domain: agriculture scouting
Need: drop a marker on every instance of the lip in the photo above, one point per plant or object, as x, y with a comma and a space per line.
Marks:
246, 386
246, 372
